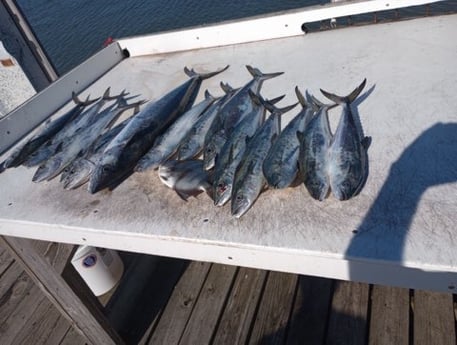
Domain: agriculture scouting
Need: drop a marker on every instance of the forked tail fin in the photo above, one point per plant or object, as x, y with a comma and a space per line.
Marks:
256, 73
191, 73
345, 99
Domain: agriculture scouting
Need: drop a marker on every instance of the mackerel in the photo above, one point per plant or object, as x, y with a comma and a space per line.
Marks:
193, 143
231, 113
348, 152
80, 142
314, 145
80, 122
167, 144
232, 151
48, 131
249, 180
280, 167
126, 149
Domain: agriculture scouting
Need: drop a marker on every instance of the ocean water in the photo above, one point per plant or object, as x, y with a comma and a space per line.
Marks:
72, 30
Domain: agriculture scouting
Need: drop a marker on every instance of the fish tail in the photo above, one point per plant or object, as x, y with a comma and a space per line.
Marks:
191, 73
345, 99
86, 102
226, 87
209, 96
276, 100
301, 98
269, 104
256, 73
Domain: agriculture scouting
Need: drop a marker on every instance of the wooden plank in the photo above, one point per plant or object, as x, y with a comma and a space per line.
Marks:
180, 305
21, 315
310, 312
59, 331
348, 319
91, 323
73, 337
434, 321
5, 260
274, 309
41, 324
242, 302
15, 285
209, 305
389, 321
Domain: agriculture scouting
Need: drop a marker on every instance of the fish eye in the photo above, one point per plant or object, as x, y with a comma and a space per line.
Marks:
239, 197
105, 169
222, 187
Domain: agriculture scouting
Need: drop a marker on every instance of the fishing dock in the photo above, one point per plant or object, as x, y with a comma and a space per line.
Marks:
380, 268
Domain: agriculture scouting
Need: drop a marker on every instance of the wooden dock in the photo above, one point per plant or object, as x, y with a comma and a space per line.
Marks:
190, 302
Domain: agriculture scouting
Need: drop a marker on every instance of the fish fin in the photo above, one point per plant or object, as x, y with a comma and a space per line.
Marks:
300, 136
86, 102
257, 99
209, 96
345, 99
255, 72
106, 93
275, 100
301, 98
366, 142
191, 73
2, 167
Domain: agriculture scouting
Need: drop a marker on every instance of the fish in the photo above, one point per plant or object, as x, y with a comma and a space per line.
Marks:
187, 178
192, 145
249, 180
126, 149
348, 151
232, 151
314, 145
55, 144
81, 141
167, 144
78, 172
280, 167
231, 113
46, 132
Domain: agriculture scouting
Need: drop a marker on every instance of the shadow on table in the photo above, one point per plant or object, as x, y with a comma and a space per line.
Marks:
430, 160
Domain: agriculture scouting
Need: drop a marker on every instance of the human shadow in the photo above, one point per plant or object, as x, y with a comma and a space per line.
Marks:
430, 160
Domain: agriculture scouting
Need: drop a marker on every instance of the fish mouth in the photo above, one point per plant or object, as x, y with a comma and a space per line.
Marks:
47, 171
99, 178
240, 207
222, 194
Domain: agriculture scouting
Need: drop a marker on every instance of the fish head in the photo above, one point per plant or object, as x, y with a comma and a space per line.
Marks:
48, 170
241, 202
318, 189
102, 174
222, 191
77, 173
185, 151
209, 156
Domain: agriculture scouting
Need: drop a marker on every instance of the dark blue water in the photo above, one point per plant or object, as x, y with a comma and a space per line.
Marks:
72, 30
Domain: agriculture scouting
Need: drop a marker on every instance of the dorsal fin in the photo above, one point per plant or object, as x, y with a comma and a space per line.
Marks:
301, 98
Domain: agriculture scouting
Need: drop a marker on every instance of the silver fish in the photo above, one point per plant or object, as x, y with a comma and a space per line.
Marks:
314, 144
249, 180
167, 144
193, 143
49, 130
187, 178
80, 142
231, 113
79, 171
232, 151
347, 155
127, 148
280, 167
54, 145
